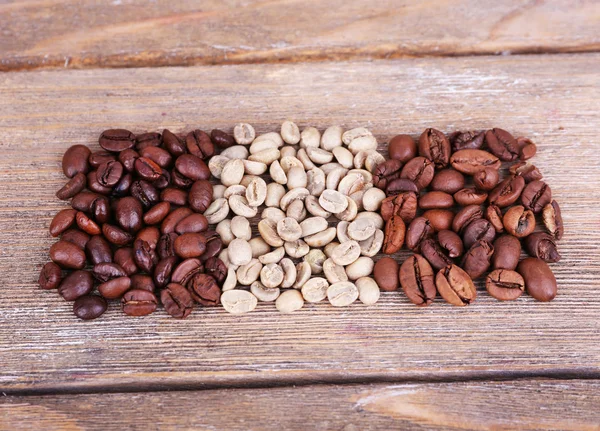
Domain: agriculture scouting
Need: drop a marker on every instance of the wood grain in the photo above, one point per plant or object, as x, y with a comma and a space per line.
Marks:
517, 405
79, 34
552, 99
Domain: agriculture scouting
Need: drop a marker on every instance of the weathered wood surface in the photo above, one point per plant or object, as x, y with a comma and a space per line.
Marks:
87, 33
519, 405
552, 99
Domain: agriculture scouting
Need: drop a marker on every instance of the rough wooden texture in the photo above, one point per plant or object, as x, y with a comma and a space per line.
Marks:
552, 99
87, 33
531, 405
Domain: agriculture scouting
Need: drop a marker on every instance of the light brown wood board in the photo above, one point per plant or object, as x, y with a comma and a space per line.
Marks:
552, 99
86, 33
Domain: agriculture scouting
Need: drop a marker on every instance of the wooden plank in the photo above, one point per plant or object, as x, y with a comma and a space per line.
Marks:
79, 34
552, 99
515, 405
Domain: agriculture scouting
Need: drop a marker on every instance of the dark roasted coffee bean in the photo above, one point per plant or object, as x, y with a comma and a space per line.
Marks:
128, 213
434, 254
536, 196
494, 216
115, 288
163, 181
403, 204
165, 246
518, 221
395, 229
539, 279
194, 223
144, 192
200, 196
434, 145
142, 282
98, 157
502, 144
553, 220
221, 139
160, 156
62, 221
419, 170
418, 230
124, 258
192, 167
507, 192
109, 173
470, 196
189, 245
163, 270
416, 279
439, 219
50, 276
67, 255
145, 258
466, 140
184, 272
98, 250
486, 179
83, 201
386, 274
476, 260
116, 140
542, 246
104, 272
147, 169
507, 251
127, 158
435, 199
450, 242
472, 161
86, 224
214, 246
504, 284
73, 186
465, 216
180, 181
122, 187
76, 284
173, 144
138, 303
204, 290
386, 172
479, 229
116, 235
75, 160
402, 148
77, 237
146, 140
95, 186
199, 144
157, 213
455, 285
447, 181
177, 301
89, 307
150, 234
527, 148
401, 185
100, 209
174, 196
169, 223
528, 172
216, 268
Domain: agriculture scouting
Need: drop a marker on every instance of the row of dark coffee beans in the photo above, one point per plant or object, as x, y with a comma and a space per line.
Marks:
449, 203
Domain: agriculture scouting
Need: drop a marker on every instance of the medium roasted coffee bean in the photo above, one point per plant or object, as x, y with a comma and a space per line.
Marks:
416, 279
98, 250
86, 224
527, 148
62, 221
165, 246
173, 144
214, 246
439, 219
67, 255
142, 282
192, 167
477, 230
466, 216
494, 216
129, 213
107, 271
470, 196
542, 246
83, 201
386, 172
221, 139
385, 273
401, 185
447, 181
536, 196
553, 220
150, 234
419, 170
450, 242
216, 268
100, 209
116, 235
507, 251
418, 230
50, 276
145, 258
75, 160
115, 288
476, 260
124, 258
127, 158
434, 145
204, 290
147, 169
174, 196
157, 213
122, 187
163, 270
144, 192
108, 174
76, 284
402, 148
95, 186
486, 179
527, 171
455, 285
434, 199
180, 181
194, 223
170, 222
89, 307
466, 140
518, 221
199, 144
77, 237
145, 140
177, 301
504, 284
160, 156
138, 303
73, 186
502, 144
434, 254
394, 235
200, 196
507, 192
184, 272
472, 161
98, 157
539, 279
116, 140
189, 245
403, 204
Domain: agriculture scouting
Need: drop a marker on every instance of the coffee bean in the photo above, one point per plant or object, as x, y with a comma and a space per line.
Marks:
83, 201
89, 307
95, 186
184, 272
108, 174
536, 196
493, 214
416, 278
173, 144
146, 140
431, 250
507, 192
199, 144
115, 288
143, 256
160, 156
204, 290
527, 148
165, 247
476, 260
448, 181
386, 172
67, 255
177, 300
434, 199
98, 157
472, 161
542, 246
466, 216
455, 285
124, 258
527, 171
418, 230
194, 223
174, 196
403, 204
486, 179
221, 139
504, 284
434, 145
539, 279
76, 284
138, 303
507, 251
479, 229
157, 213
72, 187
200, 196
147, 169
122, 187
77, 237
104, 272
466, 140
100, 209
163, 270
142, 282
214, 246
502, 144
189, 245
62, 221
386, 274
75, 160
470, 196
419, 170
439, 219
402, 148
128, 213
553, 220
450, 242
518, 221
50, 276
401, 185
192, 167
127, 158
86, 224
217, 269
394, 235
116, 235
144, 192
116, 140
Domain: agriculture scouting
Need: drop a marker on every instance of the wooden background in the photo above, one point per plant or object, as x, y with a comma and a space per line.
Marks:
395, 67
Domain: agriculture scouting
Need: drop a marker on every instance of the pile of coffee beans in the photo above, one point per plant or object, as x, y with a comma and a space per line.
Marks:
448, 202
